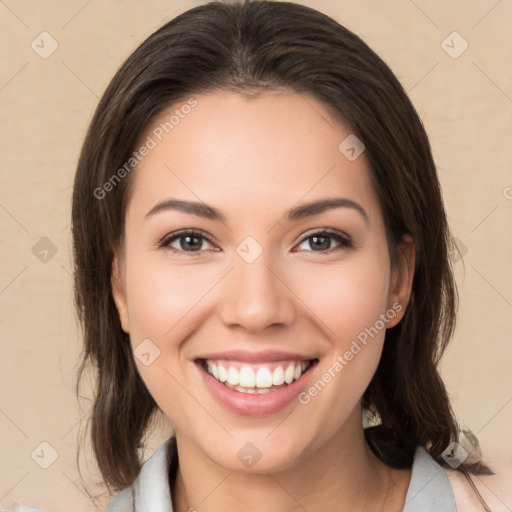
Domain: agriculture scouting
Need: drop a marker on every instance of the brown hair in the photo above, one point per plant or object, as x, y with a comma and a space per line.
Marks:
250, 46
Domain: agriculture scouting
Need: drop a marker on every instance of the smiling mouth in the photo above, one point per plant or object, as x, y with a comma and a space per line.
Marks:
256, 379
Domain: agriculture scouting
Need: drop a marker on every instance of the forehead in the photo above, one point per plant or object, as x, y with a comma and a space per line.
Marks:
279, 147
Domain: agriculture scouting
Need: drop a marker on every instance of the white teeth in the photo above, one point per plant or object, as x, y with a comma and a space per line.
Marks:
264, 378
278, 376
247, 377
223, 374
289, 373
251, 391
250, 381
233, 376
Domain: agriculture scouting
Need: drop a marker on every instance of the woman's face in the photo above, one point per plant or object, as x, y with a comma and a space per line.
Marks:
287, 300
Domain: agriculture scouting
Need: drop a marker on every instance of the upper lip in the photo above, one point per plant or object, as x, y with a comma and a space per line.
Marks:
255, 357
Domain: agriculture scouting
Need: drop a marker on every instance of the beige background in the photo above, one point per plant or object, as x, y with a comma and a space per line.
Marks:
466, 106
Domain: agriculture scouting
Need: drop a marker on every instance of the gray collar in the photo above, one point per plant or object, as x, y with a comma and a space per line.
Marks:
429, 489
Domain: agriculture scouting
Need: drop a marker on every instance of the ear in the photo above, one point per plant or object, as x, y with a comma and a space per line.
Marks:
119, 293
401, 279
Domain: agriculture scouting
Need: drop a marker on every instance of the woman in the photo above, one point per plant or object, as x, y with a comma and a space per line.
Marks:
261, 253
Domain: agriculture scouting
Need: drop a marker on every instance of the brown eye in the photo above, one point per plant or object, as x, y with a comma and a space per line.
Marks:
186, 241
322, 241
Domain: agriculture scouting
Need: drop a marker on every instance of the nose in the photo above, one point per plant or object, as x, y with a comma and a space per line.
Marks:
257, 297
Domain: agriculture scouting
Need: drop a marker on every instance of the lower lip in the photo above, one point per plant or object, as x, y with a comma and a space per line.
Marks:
254, 405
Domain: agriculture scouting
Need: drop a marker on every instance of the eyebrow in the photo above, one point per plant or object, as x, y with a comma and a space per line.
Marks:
293, 215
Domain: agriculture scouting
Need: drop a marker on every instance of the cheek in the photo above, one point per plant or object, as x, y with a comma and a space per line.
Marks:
166, 305
162, 294
159, 299
349, 302
347, 297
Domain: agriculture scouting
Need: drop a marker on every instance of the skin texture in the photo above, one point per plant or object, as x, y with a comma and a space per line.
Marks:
253, 159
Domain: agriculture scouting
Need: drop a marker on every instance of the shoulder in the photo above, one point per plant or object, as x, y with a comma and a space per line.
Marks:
150, 490
495, 490
436, 487
123, 502
465, 496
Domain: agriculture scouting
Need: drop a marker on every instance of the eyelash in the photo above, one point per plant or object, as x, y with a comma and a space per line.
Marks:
344, 241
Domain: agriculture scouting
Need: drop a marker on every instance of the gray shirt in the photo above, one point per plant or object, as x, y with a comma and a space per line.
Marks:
429, 488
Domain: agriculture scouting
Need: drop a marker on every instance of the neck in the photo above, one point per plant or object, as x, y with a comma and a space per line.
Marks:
342, 475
